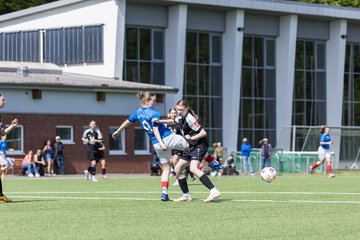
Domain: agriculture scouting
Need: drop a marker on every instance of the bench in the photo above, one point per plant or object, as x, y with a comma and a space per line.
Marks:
16, 169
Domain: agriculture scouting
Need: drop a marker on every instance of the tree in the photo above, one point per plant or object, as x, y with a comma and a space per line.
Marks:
7, 6
343, 3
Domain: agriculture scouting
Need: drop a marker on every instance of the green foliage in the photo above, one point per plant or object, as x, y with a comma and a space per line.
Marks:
7, 6
128, 207
343, 3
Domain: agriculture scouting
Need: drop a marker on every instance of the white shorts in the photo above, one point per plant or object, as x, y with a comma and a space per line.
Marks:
323, 153
6, 161
172, 142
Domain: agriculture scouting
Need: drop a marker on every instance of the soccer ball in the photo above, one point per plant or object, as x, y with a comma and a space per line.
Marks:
268, 174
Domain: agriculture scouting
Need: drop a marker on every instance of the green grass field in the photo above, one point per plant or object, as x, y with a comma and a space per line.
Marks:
128, 207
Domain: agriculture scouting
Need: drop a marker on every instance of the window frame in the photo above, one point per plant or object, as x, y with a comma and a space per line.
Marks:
67, 141
147, 140
122, 136
21, 151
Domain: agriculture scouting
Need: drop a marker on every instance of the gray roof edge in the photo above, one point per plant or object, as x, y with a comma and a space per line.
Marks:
290, 7
37, 9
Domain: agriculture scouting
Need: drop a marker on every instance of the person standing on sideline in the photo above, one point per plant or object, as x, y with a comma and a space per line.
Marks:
265, 152
161, 137
59, 154
195, 134
245, 156
324, 151
48, 152
92, 137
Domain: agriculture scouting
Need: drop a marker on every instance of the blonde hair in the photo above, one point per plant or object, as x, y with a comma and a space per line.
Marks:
145, 96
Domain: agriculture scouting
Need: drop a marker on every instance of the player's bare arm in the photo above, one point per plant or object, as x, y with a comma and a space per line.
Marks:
125, 124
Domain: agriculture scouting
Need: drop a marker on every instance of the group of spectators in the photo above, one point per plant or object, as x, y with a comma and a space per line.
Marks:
41, 163
246, 148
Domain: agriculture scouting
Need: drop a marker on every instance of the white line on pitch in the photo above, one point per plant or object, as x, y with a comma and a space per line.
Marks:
152, 199
195, 192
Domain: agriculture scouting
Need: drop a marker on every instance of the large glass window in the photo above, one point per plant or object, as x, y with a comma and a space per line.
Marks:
116, 146
144, 55
258, 91
15, 140
309, 105
142, 145
351, 102
203, 80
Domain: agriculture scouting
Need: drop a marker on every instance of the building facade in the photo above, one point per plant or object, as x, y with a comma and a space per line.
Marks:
249, 68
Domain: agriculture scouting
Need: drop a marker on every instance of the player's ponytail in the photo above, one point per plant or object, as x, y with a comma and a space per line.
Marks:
145, 96
322, 129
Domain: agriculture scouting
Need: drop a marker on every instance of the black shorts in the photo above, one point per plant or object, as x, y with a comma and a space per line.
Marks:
196, 152
91, 155
176, 152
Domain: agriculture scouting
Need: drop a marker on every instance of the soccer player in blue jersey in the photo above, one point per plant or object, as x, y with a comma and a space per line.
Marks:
162, 138
4, 131
324, 151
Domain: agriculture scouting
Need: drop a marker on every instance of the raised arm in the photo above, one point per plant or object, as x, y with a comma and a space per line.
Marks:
125, 124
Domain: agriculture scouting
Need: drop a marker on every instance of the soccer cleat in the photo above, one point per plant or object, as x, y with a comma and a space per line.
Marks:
5, 199
104, 176
86, 174
93, 178
164, 197
331, 175
212, 196
184, 198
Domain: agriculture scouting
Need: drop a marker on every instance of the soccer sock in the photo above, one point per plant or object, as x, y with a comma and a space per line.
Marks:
204, 179
1, 193
103, 171
164, 186
183, 185
329, 168
209, 158
93, 170
315, 165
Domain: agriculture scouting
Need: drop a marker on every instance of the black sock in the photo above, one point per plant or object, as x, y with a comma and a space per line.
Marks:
93, 170
89, 169
1, 193
204, 179
183, 185
103, 171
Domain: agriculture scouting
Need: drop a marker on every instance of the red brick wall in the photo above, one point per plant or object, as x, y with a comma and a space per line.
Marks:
40, 127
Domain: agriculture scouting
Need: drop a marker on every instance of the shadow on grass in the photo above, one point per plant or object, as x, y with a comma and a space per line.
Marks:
32, 200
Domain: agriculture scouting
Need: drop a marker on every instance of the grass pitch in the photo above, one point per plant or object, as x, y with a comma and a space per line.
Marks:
129, 207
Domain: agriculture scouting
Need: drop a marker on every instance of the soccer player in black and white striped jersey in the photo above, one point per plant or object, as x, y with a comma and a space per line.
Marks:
195, 135
92, 137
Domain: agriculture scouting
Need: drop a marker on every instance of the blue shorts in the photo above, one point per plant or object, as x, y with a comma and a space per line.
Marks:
48, 157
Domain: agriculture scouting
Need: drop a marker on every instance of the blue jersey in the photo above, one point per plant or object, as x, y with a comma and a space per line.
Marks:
3, 146
325, 138
144, 116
